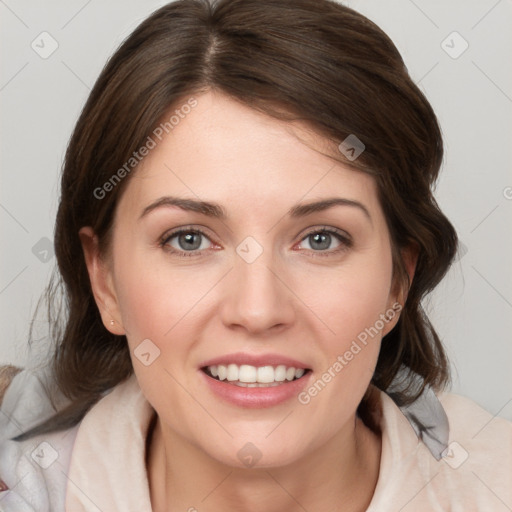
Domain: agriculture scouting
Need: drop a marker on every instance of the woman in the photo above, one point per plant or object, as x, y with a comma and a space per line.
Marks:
245, 233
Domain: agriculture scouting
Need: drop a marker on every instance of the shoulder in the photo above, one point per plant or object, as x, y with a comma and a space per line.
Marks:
33, 471
479, 440
467, 418
474, 473
478, 461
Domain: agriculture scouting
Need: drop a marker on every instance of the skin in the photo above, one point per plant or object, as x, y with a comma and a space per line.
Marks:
295, 299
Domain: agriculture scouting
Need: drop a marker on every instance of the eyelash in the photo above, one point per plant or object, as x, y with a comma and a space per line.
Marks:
345, 241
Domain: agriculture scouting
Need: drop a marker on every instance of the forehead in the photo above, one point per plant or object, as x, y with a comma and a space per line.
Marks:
226, 152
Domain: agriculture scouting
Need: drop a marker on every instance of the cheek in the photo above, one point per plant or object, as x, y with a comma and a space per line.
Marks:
154, 298
157, 304
353, 298
353, 303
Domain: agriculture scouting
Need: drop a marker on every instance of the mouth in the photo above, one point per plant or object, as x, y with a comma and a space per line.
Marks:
249, 376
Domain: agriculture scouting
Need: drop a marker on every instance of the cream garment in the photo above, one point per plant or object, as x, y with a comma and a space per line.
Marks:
107, 472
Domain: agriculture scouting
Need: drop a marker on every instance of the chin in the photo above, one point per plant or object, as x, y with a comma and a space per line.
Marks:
256, 452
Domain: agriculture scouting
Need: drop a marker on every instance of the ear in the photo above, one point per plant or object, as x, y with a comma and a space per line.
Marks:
102, 283
410, 258
400, 291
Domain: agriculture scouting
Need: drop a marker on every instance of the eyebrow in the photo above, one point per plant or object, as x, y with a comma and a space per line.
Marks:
217, 211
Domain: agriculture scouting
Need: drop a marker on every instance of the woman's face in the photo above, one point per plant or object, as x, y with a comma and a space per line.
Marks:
271, 285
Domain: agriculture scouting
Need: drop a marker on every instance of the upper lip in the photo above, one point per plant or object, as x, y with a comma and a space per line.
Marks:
240, 358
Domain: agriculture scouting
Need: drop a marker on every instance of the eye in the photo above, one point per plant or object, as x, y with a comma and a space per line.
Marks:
327, 240
192, 242
186, 242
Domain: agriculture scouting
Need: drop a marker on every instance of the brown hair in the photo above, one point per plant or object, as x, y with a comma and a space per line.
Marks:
313, 60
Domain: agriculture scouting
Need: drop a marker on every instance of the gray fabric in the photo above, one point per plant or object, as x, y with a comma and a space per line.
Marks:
426, 414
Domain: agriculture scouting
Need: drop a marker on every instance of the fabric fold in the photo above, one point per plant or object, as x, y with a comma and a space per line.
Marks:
426, 415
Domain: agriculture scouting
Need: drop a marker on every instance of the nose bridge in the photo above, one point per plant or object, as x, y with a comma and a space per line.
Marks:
257, 298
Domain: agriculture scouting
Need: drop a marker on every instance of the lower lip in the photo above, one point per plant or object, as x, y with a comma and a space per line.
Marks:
256, 397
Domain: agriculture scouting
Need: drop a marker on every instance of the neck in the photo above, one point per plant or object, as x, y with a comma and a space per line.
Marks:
341, 475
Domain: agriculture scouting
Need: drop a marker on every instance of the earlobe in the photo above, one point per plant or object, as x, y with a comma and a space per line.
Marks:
101, 282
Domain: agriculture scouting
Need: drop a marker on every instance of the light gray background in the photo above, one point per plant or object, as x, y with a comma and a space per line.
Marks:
472, 95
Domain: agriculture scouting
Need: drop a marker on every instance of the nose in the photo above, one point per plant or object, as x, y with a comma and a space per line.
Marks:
256, 297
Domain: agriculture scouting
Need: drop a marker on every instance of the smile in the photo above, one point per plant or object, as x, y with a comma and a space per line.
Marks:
254, 376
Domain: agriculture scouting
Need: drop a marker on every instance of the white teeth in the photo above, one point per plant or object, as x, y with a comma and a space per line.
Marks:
265, 374
246, 375
280, 373
222, 372
290, 373
232, 372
